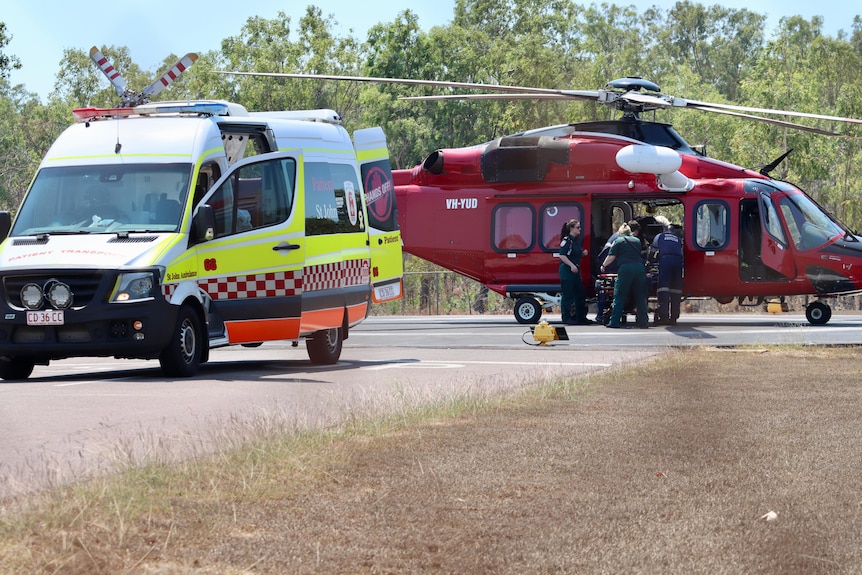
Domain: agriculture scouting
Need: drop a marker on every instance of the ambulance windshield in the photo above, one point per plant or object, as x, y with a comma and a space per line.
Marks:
109, 198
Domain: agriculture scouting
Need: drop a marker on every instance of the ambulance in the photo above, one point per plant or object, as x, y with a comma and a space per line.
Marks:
167, 229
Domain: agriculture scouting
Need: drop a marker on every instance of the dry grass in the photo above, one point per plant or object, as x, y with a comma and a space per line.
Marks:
665, 469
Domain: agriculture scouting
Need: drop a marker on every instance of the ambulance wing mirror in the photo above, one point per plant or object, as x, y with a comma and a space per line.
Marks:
203, 224
5, 224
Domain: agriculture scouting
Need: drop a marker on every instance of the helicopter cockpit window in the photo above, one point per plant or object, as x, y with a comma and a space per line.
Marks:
513, 228
808, 225
551, 221
711, 225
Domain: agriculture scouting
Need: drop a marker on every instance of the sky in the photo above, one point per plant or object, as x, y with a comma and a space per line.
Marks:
153, 29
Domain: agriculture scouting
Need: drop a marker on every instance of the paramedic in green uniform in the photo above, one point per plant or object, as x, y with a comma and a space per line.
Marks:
631, 275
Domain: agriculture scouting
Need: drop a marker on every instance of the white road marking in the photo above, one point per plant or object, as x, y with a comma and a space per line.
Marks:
450, 365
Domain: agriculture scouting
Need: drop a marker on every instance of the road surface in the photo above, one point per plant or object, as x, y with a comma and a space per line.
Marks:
89, 415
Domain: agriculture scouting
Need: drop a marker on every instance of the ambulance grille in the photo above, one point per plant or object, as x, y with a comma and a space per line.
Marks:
83, 285
132, 239
37, 241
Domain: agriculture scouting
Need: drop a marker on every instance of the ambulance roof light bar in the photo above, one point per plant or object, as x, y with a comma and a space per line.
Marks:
154, 108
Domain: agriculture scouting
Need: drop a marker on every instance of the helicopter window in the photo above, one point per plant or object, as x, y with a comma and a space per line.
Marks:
809, 227
771, 220
513, 228
553, 216
711, 225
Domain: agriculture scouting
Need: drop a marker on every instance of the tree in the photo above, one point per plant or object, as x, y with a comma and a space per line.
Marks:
7, 62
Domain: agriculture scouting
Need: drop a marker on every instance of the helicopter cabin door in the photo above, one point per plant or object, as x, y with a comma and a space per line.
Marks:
775, 252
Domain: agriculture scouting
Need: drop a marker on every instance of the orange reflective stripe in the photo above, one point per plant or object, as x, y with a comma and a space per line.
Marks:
249, 331
316, 320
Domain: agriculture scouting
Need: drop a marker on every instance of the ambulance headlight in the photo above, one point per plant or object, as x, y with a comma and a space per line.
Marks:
31, 296
59, 294
134, 286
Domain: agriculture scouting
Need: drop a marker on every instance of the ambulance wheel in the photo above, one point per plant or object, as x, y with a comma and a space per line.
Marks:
818, 313
324, 346
15, 368
182, 356
527, 310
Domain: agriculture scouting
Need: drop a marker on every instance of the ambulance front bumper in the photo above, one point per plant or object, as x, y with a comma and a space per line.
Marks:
138, 330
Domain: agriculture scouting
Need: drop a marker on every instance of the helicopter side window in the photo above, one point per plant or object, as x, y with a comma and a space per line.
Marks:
513, 228
552, 219
771, 220
711, 225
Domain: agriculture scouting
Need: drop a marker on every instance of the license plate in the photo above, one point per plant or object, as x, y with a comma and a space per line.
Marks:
46, 317
387, 292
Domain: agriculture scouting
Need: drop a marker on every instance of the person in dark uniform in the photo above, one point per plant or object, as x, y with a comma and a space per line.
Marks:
631, 275
667, 251
573, 294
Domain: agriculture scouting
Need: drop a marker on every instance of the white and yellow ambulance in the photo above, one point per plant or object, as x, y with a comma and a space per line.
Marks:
170, 228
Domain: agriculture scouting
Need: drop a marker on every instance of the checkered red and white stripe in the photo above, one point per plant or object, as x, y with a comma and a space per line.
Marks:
280, 284
276, 284
336, 275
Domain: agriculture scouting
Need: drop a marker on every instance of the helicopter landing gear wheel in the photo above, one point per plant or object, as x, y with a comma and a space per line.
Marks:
527, 310
818, 313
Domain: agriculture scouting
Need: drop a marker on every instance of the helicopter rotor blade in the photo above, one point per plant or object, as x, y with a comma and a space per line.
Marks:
172, 74
415, 82
512, 96
772, 121
108, 69
715, 107
629, 101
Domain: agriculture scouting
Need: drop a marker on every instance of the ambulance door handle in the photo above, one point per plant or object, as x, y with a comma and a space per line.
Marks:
285, 246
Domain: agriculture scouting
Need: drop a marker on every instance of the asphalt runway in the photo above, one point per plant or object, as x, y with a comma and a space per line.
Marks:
82, 416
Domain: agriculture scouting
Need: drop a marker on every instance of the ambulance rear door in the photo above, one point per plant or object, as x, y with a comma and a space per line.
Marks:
384, 235
252, 268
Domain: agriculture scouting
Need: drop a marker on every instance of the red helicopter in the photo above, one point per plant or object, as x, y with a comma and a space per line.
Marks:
493, 212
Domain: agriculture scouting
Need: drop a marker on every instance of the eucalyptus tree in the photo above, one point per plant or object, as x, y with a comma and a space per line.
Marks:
8, 62
803, 70
273, 46
718, 43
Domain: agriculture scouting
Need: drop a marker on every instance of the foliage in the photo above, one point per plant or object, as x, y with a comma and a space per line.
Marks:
7, 62
693, 50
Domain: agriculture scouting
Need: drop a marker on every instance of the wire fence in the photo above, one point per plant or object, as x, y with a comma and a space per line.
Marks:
449, 293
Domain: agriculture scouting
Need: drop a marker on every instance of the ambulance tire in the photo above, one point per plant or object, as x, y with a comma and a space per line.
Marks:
324, 346
182, 356
12, 369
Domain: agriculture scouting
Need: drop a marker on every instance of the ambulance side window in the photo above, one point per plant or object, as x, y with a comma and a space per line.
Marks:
332, 199
254, 196
222, 202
